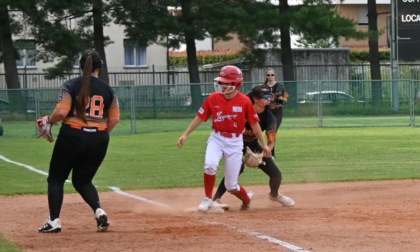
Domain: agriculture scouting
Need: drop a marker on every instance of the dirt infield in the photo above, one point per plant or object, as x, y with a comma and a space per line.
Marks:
363, 216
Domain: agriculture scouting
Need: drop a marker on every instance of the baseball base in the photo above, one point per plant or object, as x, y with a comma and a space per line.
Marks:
213, 210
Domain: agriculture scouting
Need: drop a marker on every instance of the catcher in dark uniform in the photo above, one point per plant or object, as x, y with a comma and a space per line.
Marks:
260, 97
88, 109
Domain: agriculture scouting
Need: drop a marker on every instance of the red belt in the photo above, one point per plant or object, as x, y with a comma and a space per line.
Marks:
227, 134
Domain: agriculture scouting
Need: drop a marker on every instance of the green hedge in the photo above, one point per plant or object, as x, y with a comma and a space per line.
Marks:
359, 55
181, 60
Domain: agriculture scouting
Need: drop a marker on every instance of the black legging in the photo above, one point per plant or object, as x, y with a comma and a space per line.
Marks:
278, 113
269, 168
80, 152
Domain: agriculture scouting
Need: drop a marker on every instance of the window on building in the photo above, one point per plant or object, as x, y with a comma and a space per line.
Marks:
362, 15
27, 53
134, 55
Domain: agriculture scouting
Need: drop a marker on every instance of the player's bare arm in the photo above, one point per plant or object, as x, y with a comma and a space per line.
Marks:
271, 135
283, 99
193, 125
58, 115
112, 122
270, 140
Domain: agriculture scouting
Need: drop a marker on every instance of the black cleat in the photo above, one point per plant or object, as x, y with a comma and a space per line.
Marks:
101, 220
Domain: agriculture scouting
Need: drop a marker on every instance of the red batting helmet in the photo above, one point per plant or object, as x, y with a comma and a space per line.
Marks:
230, 74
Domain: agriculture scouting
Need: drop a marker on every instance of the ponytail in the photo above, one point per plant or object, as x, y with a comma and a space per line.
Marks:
83, 96
89, 63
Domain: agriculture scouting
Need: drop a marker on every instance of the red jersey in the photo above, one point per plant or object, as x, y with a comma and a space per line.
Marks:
229, 115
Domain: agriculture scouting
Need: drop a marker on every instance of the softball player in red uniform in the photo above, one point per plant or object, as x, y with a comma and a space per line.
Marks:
261, 97
89, 110
229, 110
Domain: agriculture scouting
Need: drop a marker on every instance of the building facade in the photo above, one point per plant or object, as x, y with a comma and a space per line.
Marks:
122, 55
357, 10
352, 9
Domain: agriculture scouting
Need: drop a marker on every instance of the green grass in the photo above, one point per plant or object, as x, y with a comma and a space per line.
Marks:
153, 160
17, 129
7, 246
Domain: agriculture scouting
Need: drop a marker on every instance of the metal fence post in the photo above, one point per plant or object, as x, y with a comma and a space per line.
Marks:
319, 102
132, 110
154, 93
413, 97
37, 108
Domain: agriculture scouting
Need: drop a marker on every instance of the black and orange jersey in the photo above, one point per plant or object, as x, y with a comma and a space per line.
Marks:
277, 90
102, 104
267, 124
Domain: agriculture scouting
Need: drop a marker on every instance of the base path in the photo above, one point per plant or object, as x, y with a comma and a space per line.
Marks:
361, 216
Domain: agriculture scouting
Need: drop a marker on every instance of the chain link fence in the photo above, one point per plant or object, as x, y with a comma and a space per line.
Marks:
311, 103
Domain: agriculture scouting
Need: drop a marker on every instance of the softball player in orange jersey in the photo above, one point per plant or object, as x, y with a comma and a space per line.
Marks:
88, 109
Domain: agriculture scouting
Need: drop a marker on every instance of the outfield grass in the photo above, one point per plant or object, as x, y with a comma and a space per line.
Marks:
13, 129
7, 246
153, 160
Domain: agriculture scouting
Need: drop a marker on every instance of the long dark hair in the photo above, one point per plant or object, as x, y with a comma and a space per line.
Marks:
89, 62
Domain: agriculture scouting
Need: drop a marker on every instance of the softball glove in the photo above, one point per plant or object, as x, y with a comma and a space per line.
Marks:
251, 159
44, 128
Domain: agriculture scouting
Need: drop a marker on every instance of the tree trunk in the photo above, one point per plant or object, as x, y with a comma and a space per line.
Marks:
9, 57
99, 41
196, 95
192, 61
286, 53
375, 68
16, 101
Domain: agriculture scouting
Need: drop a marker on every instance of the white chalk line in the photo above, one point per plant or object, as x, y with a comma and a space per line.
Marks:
119, 191
262, 236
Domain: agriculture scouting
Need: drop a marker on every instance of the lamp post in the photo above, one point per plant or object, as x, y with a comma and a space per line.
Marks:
394, 57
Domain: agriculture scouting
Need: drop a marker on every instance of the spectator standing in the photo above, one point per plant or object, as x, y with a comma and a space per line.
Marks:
278, 99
